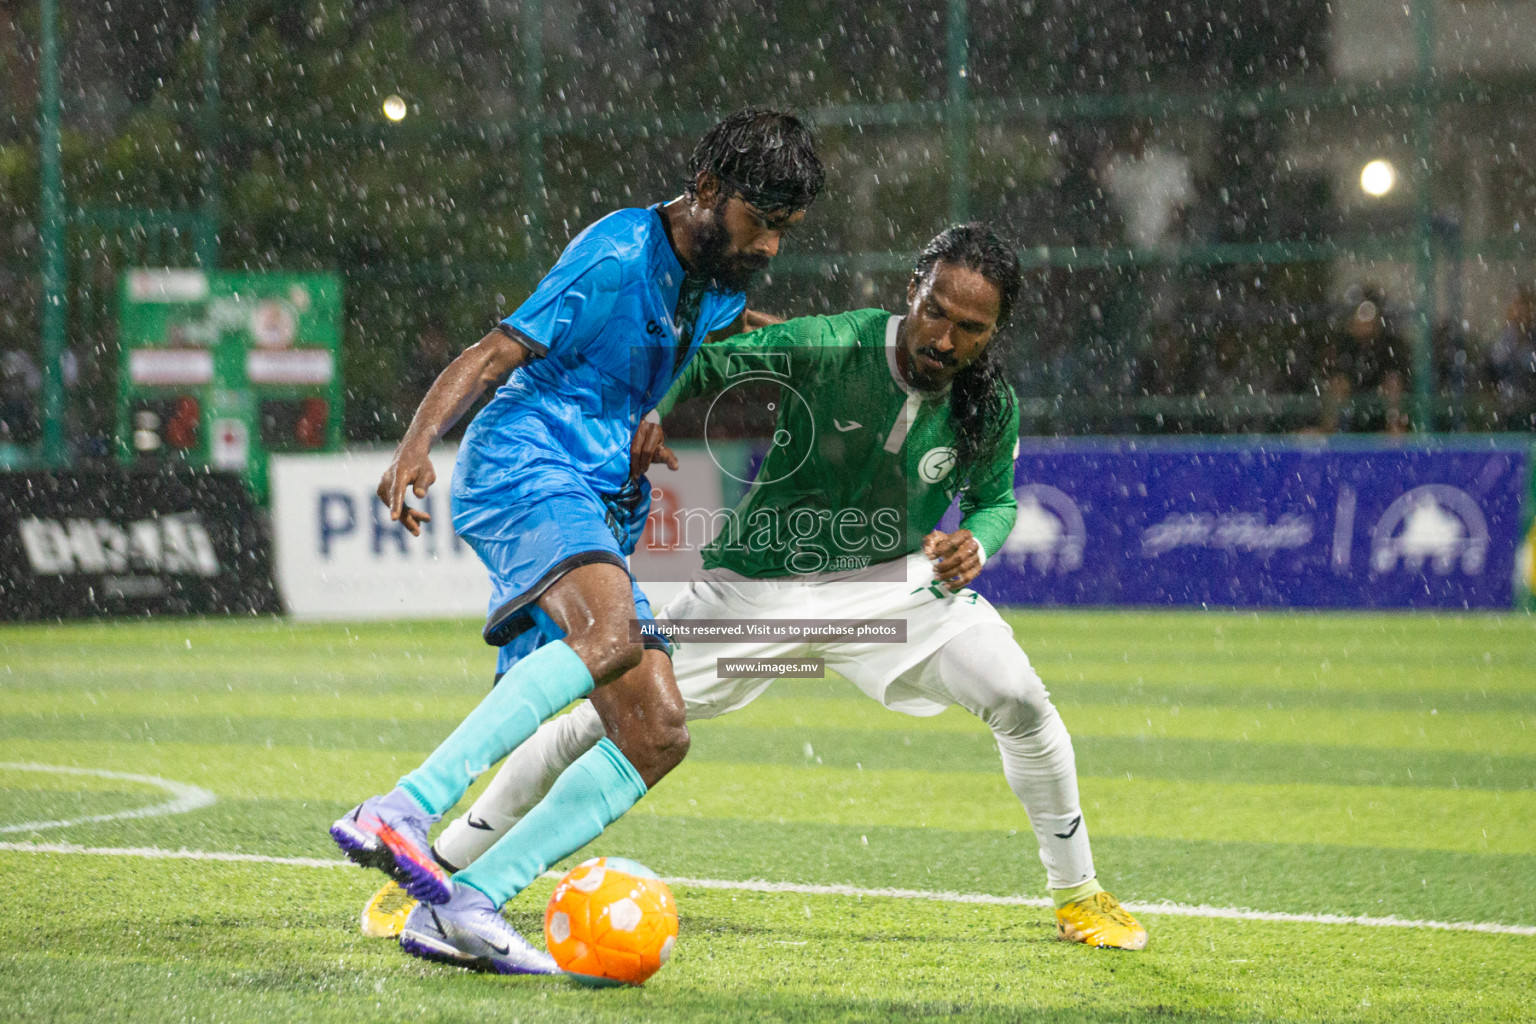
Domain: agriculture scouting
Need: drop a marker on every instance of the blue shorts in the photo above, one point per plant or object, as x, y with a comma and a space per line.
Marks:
548, 538
543, 630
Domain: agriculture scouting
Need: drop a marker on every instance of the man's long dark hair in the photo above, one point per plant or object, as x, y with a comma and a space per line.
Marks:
979, 395
768, 157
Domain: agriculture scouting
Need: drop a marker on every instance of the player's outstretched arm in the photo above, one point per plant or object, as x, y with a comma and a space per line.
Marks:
484, 364
988, 507
749, 320
758, 351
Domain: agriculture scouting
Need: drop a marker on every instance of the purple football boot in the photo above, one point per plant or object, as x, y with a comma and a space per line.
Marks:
469, 932
390, 833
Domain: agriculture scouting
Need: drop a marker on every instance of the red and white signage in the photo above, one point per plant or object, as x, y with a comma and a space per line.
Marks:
170, 367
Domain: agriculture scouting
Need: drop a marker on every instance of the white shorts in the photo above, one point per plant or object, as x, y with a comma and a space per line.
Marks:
898, 675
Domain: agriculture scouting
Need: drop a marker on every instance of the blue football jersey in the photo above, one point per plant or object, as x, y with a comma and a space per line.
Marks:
600, 326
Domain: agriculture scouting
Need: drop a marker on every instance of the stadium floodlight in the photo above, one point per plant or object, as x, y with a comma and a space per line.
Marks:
394, 108
1377, 178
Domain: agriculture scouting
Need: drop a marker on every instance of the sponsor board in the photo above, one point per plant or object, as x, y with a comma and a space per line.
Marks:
110, 542
1525, 571
1280, 523
338, 555
1525, 558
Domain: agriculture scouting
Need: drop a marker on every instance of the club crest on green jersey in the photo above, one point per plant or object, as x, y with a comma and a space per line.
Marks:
937, 464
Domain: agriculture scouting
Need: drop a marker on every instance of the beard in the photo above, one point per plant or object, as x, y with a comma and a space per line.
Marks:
932, 380
733, 272
918, 376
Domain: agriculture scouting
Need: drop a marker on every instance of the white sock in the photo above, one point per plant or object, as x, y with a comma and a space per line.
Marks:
984, 671
520, 783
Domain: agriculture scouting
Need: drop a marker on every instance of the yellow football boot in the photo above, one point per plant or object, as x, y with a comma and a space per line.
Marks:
384, 915
1099, 920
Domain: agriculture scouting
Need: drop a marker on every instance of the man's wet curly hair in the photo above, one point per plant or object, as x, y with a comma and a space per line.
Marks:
767, 157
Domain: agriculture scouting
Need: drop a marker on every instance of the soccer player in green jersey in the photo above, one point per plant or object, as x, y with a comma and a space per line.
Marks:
882, 419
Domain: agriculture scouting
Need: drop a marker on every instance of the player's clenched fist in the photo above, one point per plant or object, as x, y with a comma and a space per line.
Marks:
956, 557
409, 468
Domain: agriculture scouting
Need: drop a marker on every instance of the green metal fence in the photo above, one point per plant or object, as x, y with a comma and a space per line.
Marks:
83, 249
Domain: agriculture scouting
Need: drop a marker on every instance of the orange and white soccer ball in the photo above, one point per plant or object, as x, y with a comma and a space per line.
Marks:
611, 921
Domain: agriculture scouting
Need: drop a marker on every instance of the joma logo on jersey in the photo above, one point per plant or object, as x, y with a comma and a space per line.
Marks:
167, 544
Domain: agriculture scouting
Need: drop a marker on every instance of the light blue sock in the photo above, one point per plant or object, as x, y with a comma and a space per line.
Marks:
589, 796
533, 690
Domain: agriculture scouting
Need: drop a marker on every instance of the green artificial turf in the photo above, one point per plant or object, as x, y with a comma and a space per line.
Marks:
1300, 763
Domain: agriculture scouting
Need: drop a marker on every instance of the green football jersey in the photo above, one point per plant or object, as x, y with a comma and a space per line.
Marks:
861, 466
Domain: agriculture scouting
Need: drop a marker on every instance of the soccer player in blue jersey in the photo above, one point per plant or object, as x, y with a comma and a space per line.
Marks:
545, 493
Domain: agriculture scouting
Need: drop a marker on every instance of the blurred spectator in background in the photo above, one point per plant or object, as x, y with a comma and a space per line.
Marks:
1453, 369
1512, 362
1363, 356
427, 357
21, 388
1152, 186
20, 381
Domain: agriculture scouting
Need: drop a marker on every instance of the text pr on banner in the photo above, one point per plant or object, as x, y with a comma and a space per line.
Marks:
339, 556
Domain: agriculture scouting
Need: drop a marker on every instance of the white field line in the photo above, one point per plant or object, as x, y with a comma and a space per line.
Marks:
1165, 907
184, 796
156, 853
1169, 909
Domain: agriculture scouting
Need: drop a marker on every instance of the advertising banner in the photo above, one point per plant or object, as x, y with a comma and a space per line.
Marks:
339, 556
1525, 558
83, 544
1270, 524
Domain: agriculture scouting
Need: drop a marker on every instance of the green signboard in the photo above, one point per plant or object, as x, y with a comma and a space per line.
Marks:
222, 369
